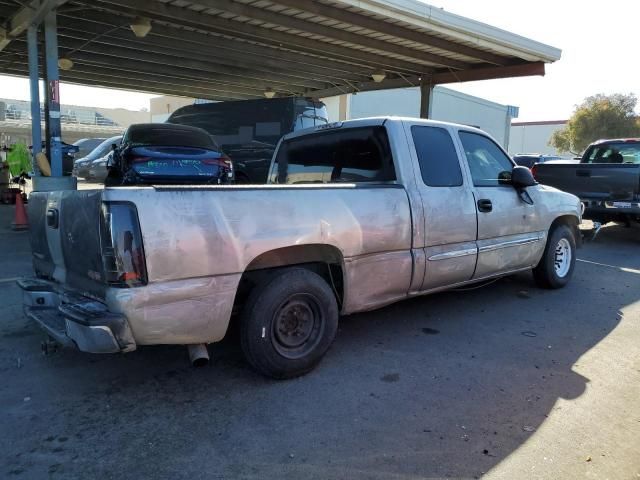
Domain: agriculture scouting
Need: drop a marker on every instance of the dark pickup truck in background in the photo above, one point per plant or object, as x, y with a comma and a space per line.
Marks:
607, 179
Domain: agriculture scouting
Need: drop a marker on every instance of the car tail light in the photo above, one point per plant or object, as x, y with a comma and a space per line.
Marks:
221, 161
224, 162
534, 170
121, 242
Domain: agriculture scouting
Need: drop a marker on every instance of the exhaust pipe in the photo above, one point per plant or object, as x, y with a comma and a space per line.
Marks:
198, 355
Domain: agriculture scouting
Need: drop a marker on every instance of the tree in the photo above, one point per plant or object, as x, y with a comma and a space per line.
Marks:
598, 116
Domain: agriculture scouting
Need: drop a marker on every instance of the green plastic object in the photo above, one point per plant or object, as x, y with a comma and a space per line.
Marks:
19, 159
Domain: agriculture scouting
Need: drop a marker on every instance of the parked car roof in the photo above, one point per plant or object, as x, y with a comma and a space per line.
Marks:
168, 134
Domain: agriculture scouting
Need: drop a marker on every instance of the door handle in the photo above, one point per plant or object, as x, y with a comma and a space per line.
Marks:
583, 173
485, 205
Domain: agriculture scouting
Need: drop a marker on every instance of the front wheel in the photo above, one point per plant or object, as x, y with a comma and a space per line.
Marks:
289, 323
558, 260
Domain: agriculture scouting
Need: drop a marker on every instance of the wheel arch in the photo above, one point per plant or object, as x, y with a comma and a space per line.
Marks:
570, 221
325, 260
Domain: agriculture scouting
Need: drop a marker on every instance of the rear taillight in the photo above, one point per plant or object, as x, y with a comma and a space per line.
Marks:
121, 242
222, 162
534, 170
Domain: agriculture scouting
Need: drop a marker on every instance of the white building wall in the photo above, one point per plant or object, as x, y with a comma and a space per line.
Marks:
333, 108
446, 105
451, 106
533, 137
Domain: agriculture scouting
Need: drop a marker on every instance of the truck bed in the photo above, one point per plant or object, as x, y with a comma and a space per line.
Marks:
205, 232
596, 181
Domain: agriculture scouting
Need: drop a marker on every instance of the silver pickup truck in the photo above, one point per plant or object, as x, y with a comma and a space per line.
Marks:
356, 215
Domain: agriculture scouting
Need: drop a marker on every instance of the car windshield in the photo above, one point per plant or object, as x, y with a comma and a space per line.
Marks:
621, 152
102, 149
168, 135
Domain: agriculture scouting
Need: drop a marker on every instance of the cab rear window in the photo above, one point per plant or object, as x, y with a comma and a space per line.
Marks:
353, 155
621, 152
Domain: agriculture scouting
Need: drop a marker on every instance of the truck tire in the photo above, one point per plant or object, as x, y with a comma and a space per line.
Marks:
288, 323
558, 260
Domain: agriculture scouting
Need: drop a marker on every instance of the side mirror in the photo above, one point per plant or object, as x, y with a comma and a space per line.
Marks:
521, 177
114, 146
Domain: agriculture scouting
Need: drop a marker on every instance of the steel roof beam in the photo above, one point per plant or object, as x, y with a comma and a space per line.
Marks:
166, 46
160, 70
268, 16
172, 60
180, 16
115, 72
131, 58
358, 20
230, 48
153, 70
29, 14
487, 73
126, 84
443, 77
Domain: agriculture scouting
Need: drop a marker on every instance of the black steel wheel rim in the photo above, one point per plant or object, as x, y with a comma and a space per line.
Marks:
297, 326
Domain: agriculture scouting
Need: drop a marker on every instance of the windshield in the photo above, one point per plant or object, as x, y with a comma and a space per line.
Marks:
102, 149
622, 152
168, 135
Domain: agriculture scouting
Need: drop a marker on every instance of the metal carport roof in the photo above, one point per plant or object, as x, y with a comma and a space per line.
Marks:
238, 49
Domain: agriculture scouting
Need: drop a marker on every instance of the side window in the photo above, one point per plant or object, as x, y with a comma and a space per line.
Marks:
437, 156
352, 155
489, 165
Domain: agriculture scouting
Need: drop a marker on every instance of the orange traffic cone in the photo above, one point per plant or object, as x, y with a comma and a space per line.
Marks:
20, 221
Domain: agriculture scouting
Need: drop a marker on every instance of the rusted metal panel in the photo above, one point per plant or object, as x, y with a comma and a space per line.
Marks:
376, 280
195, 310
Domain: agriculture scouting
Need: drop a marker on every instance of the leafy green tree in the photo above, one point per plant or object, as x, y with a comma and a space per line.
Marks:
598, 116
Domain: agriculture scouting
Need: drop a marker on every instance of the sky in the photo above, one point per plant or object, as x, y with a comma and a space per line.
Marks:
599, 55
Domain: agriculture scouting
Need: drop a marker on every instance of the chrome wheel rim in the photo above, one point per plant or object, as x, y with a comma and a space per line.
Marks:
562, 259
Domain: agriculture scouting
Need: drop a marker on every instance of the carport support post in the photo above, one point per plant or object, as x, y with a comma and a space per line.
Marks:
57, 181
426, 92
36, 133
53, 97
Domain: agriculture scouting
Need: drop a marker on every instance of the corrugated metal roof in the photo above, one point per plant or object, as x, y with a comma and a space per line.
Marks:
235, 49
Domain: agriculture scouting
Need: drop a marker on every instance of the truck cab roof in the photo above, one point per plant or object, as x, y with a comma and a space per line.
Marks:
616, 140
376, 121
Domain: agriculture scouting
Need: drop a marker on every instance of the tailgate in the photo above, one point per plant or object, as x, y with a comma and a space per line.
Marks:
593, 181
65, 238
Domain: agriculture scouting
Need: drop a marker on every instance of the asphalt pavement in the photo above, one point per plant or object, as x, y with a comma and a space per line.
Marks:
506, 381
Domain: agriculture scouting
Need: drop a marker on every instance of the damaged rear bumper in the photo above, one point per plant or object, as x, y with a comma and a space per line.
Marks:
74, 320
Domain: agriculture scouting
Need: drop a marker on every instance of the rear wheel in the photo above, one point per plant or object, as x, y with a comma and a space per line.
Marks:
556, 266
288, 323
